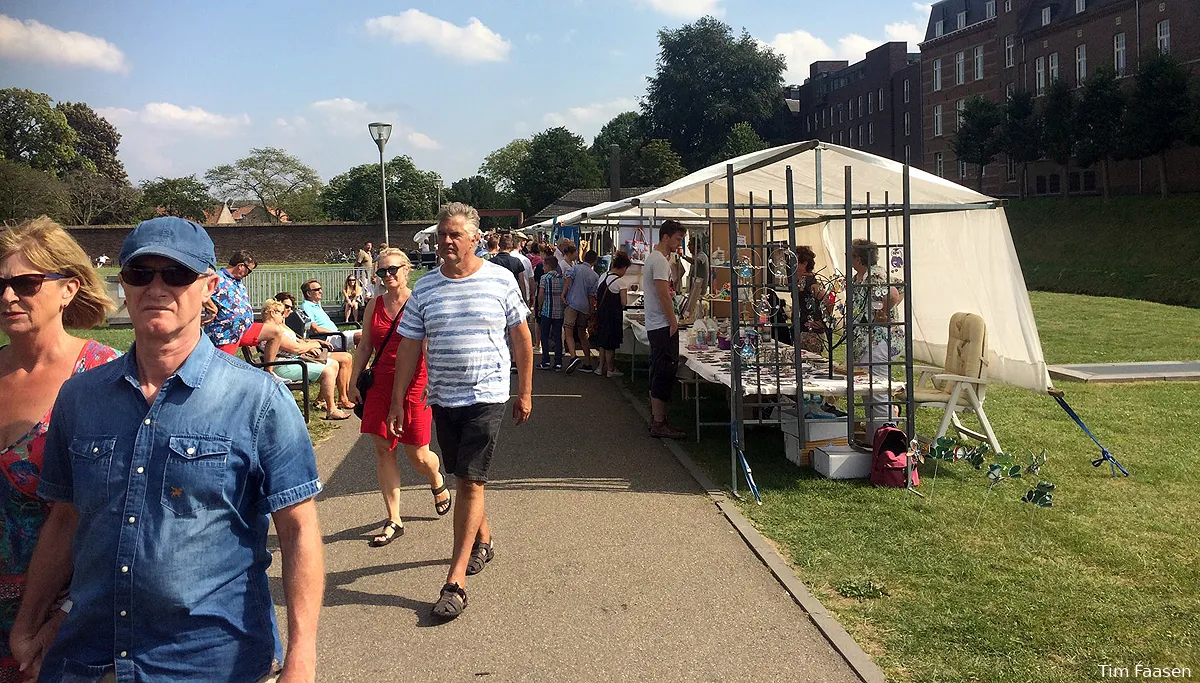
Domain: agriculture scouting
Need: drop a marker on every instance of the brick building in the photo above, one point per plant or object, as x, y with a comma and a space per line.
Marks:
994, 47
873, 105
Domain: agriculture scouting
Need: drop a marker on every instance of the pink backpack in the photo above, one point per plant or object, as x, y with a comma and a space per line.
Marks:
889, 456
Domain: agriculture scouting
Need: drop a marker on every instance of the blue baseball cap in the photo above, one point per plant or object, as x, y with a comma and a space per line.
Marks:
175, 238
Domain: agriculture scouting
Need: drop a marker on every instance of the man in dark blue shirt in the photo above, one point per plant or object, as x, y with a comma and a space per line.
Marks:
166, 465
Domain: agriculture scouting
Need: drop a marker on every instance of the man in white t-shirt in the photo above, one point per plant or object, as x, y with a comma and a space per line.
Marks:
463, 312
662, 326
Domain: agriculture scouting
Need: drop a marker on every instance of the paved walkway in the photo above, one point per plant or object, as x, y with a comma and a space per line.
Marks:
611, 565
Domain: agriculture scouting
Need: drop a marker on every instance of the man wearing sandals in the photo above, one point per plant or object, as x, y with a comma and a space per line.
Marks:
465, 310
165, 498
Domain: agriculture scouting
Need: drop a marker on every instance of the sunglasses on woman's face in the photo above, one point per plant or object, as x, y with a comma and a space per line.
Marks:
172, 276
29, 284
390, 270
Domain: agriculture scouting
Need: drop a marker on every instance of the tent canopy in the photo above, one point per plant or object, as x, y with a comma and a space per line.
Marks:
963, 258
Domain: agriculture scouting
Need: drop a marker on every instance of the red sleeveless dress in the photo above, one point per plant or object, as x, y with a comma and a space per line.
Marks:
418, 418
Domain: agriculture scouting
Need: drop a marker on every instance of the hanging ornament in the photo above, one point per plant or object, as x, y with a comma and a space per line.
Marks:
783, 263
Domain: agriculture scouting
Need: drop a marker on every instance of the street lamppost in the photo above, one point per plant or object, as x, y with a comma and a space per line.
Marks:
380, 132
439, 190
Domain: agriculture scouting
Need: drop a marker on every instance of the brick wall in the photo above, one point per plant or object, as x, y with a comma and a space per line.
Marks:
291, 243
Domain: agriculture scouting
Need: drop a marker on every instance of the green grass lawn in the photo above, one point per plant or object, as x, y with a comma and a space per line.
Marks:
984, 587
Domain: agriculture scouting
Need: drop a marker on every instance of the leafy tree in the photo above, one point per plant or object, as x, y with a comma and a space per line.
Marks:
1098, 121
741, 140
657, 164
706, 80
98, 140
305, 206
477, 191
94, 198
269, 174
355, 194
33, 131
28, 193
1058, 117
502, 166
1159, 112
1021, 134
978, 139
558, 162
627, 131
186, 197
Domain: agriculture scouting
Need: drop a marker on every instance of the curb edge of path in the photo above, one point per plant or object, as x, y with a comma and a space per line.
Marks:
858, 660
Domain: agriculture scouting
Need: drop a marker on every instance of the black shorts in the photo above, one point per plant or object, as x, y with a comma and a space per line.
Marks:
467, 437
664, 362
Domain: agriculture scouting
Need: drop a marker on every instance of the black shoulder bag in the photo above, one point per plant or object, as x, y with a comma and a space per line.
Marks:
366, 378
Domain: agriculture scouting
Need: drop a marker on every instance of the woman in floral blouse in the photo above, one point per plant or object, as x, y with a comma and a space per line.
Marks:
46, 285
874, 343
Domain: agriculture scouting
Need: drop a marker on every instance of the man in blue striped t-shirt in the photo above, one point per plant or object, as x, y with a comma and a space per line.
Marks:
469, 311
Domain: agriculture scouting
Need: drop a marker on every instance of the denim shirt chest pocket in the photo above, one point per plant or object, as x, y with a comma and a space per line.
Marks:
91, 465
195, 474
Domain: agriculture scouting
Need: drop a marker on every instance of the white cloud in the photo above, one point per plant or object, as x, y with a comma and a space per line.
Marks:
906, 31
471, 43
686, 9
34, 41
532, 37
165, 116
923, 8
554, 120
344, 117
422, 141
588, 116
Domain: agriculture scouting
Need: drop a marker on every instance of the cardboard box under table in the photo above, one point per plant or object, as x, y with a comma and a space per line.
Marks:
818, 433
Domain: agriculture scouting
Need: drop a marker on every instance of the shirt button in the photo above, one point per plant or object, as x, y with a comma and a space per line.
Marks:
125, 569
123, 612
141, 469
132, 520
146, 421
95, 450
191, 451
124, 653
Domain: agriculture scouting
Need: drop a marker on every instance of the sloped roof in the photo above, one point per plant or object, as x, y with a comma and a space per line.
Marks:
582, 198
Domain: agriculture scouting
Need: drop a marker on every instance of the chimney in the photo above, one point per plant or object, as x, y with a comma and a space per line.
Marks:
614, 173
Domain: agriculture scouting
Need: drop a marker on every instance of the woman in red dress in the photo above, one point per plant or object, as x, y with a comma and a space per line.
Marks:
46, 285
380, 318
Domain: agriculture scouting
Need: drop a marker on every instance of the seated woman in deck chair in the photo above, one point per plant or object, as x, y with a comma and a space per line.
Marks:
277, 342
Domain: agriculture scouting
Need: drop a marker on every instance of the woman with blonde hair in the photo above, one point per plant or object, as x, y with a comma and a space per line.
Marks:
279, 342
47, 284
380, 336
352, 298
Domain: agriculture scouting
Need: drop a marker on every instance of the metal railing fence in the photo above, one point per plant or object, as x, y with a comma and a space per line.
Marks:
264, 283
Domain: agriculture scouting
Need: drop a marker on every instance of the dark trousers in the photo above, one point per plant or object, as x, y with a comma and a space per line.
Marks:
664, 362
551, 329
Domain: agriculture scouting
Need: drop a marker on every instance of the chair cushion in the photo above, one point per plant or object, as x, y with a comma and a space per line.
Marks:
966, 347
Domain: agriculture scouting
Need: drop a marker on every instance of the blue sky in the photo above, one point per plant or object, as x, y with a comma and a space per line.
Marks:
194, 84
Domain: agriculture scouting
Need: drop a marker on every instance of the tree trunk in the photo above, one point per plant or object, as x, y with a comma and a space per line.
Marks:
1104, 178
1162, 173
1066, 181
979, 178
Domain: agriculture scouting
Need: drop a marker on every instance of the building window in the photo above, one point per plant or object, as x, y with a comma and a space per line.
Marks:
851, 137
1053, 66
962, 169
939, 27
807, 124
979, 63
871, 103
938, 165
1164, 35
906, 94
841, 115
881, 99
841, 140
959, 107
989, 9
1007, 5
962, 20
860, 109
1081, 64
960, 68
1045, 16
937, 75
1009, 90
907, 124
1010, 51
1119, 53
870, 132
861, 140
1040, 70
937, 121
908, 154
1080, 6
1010, 170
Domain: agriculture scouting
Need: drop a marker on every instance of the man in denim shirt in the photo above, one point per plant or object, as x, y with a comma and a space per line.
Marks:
166, 466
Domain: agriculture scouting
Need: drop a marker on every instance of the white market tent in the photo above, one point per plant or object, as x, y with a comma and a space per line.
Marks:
963, 258
425, 233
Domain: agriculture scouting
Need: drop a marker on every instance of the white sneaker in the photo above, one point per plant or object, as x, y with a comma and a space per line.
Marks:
615, 373
599, 371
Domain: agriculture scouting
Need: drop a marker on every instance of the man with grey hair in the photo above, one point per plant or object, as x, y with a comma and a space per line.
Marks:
464, 311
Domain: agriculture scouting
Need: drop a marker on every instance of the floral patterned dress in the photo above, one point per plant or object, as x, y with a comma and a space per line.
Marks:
24, 512
876, 289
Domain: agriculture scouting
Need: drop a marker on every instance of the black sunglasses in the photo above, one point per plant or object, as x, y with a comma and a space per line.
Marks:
29, 284
172, 276
390, 270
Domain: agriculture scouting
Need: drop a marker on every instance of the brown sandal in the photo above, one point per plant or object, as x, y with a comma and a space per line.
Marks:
451, 602
442, 506
384, 538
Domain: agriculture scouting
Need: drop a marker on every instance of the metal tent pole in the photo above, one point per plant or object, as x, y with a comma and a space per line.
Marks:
735, 369
849, 317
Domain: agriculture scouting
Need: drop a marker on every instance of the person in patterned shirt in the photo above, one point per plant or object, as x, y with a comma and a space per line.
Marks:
229, 315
